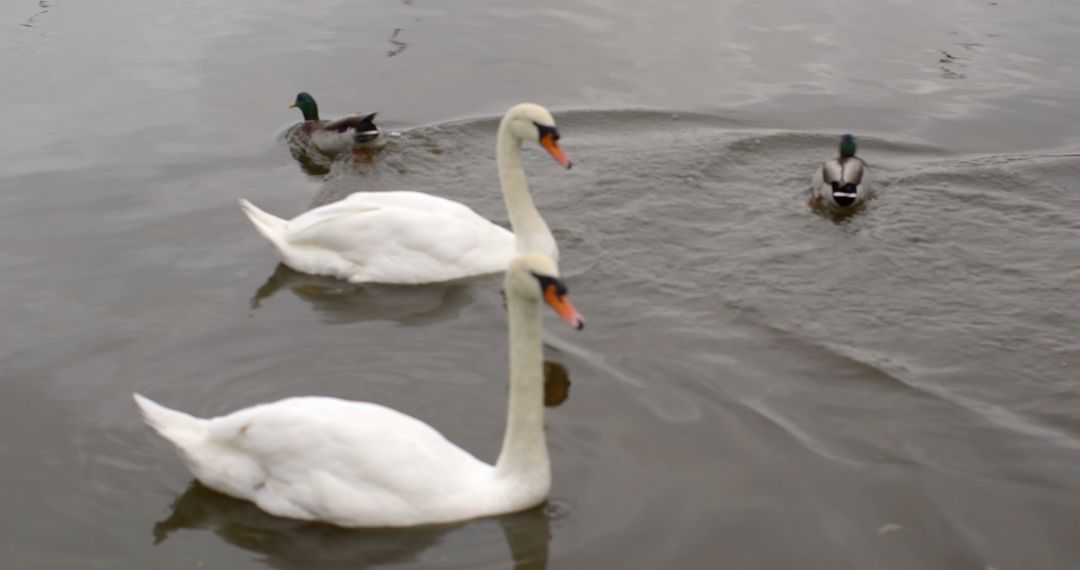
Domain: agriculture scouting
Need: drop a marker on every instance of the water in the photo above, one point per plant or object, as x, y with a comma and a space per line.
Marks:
759, 386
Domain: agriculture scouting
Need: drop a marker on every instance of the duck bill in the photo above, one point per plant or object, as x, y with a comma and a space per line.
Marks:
563, 308
293, 106
552, 146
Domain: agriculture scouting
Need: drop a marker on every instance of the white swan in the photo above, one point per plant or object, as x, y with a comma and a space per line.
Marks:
843, 182
412, 237
359, 464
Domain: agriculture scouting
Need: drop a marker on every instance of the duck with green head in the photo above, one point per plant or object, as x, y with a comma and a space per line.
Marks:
333, 137
842, 182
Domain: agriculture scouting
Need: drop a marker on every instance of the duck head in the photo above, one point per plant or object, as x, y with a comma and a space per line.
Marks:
307, 106
847, 146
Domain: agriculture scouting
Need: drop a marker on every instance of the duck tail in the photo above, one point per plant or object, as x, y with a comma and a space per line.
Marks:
180, 428
269, 225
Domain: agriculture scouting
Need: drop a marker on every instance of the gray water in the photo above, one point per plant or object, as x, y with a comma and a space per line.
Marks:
759, 386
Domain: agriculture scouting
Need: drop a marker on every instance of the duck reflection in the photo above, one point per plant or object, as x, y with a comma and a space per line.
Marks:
311, 161
341, 302
841, 217
290, 544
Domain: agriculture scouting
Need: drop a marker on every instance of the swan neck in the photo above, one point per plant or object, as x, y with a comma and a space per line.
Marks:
524, 455
529, 227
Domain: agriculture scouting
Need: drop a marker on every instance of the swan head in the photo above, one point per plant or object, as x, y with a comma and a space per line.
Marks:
535, 276
307, 106
529, 121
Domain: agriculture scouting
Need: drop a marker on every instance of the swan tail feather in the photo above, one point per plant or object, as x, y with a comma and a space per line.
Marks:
180, 428
269, 225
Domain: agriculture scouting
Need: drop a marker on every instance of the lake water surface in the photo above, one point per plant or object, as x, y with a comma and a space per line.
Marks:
759, 386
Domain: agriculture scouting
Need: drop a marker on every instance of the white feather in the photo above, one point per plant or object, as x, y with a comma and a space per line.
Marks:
362, 464
389, 237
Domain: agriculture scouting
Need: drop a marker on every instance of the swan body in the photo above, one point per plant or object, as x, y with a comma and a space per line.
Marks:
346, 463
412, 237
841, 183
339, 135
360, 464
388, 237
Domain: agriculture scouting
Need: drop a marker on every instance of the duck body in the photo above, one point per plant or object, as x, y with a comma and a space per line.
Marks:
841, 183
413, 237
388, 237
339, 135
359, 464
335, 137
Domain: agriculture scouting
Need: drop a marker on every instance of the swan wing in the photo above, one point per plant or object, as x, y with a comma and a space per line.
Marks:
398, 237
349, 463
409, 200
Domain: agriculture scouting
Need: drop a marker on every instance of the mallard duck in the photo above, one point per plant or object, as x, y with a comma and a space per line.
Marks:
841, 183
358, 464
412, 237
333, 137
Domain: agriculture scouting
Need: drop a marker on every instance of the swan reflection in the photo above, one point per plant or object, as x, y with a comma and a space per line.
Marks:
340, 302
293, 545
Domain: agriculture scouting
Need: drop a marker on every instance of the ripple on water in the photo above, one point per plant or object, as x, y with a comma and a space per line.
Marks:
749, 369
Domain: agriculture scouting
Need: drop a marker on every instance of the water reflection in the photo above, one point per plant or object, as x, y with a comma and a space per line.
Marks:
840, 217
291, 544
340, 302
949, 64
399, 46
556, 384
31, 21
311, 161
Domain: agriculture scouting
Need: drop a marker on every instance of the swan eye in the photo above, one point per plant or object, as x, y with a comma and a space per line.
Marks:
547, 282
546, 130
